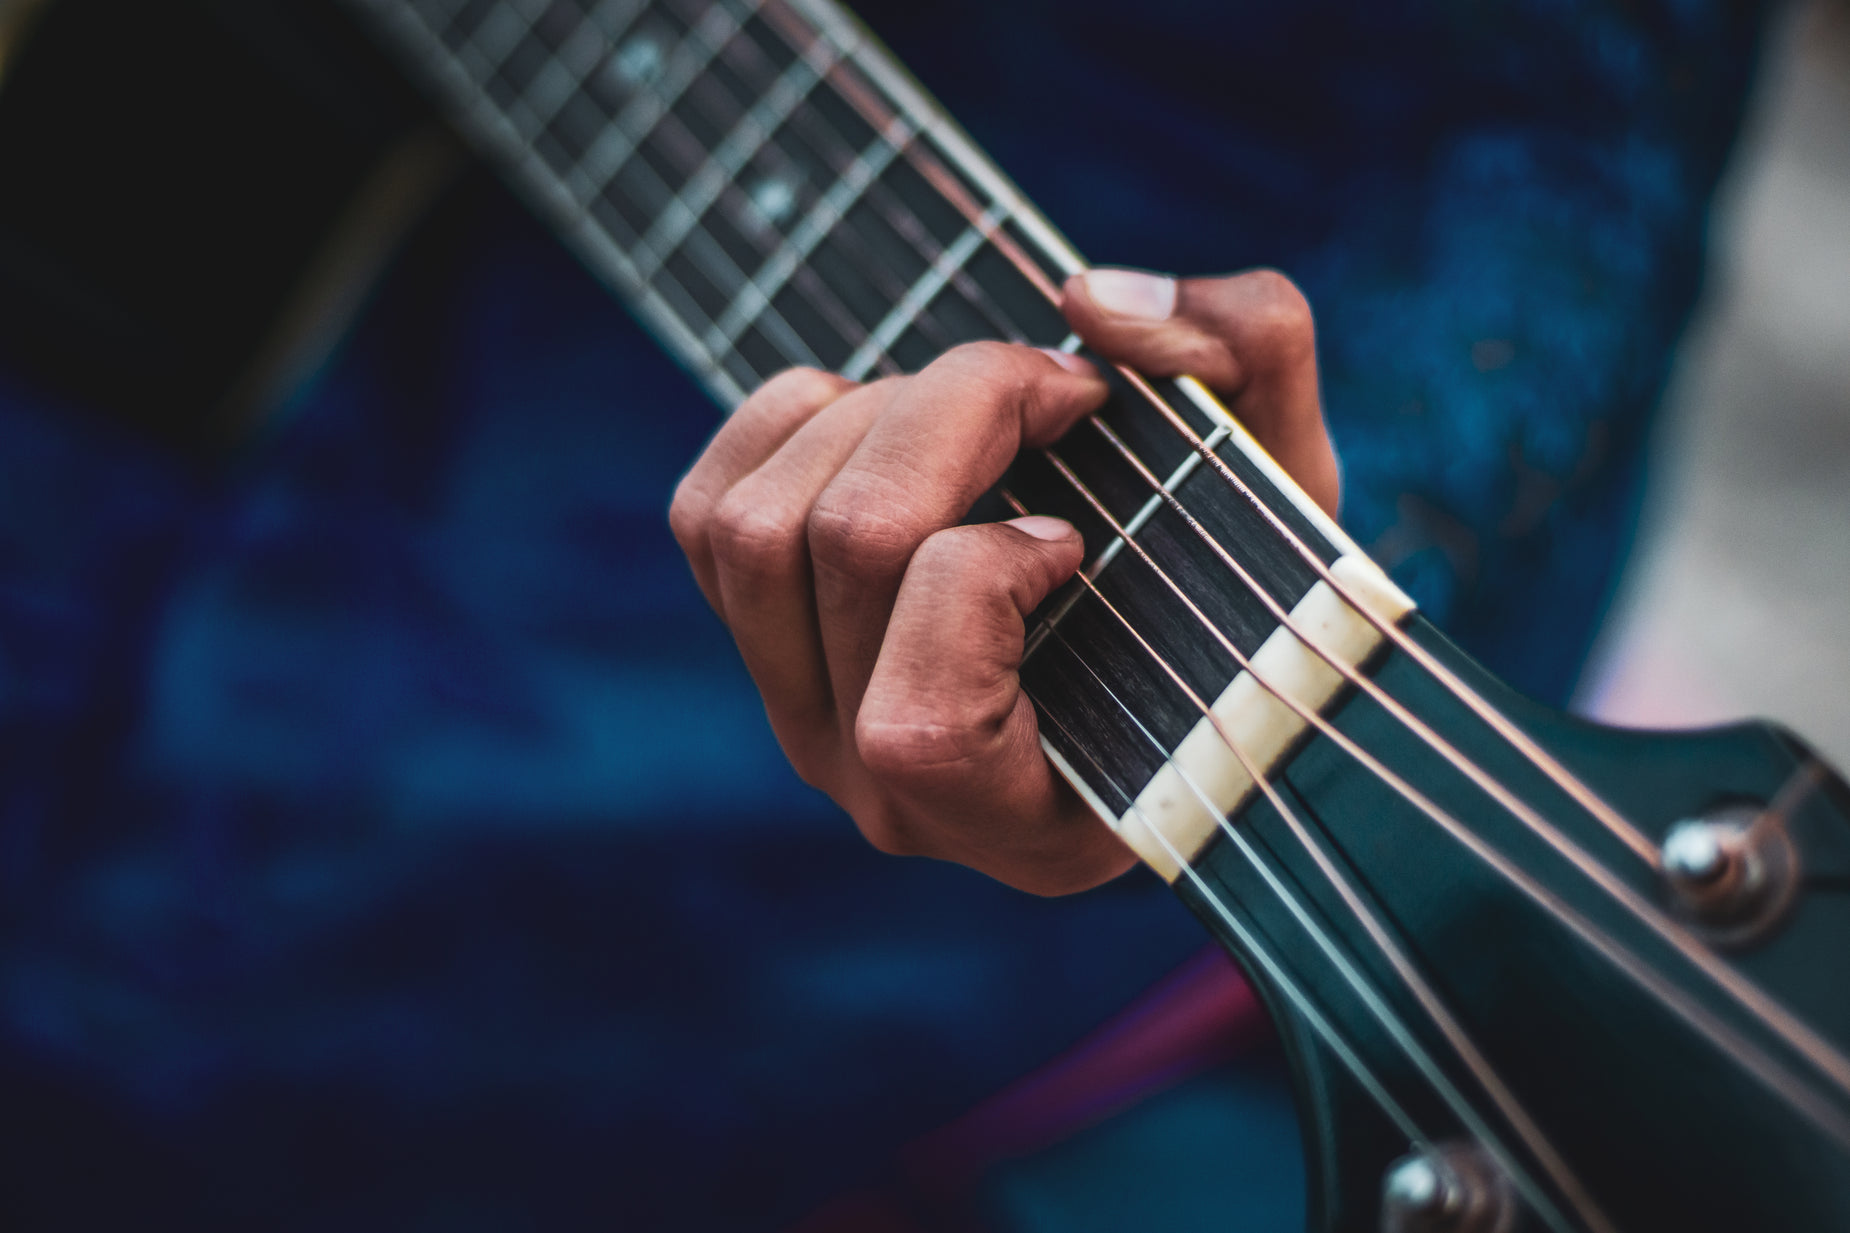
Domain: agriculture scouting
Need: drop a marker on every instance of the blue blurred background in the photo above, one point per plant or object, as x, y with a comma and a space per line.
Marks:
389, 838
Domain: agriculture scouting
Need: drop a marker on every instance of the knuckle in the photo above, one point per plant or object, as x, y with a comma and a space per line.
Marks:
914, 743
1280, 319
808, 389
979, 567
994, 370
945, 557
688, 513
751, 534
850, 533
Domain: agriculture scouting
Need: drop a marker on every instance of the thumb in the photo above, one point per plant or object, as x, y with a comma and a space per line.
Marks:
1249, 337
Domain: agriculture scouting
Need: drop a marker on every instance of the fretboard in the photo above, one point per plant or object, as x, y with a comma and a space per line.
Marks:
767, 188
754, 176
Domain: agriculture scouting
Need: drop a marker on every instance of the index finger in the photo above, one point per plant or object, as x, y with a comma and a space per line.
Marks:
947, 437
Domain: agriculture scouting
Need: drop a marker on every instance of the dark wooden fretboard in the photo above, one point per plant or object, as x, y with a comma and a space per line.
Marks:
767, 188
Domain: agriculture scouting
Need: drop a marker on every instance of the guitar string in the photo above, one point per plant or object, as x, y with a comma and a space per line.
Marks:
1448, 1026
1776, 1078
812, 125
739, 210
948, 186
1286, 984
1283, 981
1384, 1015
1371, 997
1485, 1075
1275, 970
438, 26
1792, 1034
698, 244
1372, 688
1764, 1068
1047, 289
1776, 1018
805, 278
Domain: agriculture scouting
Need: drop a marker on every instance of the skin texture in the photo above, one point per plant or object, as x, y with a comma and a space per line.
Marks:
821, 523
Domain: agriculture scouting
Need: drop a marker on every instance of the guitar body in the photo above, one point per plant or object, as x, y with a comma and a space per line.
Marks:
1663, 1130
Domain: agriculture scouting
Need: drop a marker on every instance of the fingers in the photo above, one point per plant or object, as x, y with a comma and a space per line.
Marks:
761, 424
944, 725
758, 543
948, 436
1248, 337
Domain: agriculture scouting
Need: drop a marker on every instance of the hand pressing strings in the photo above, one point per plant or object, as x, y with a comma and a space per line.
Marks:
822, 525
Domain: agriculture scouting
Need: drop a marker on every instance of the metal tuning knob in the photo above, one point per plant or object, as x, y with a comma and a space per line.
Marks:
1732, 871
1453, 1188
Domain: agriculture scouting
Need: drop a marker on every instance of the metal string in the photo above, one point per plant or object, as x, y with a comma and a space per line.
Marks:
1764, 1068
780, 332
821, 133
1498, 792
1801, 1038
1776, 1018
744, 215
1794, 1034
1275, 971
954, 192
1358, 982
1780, 1081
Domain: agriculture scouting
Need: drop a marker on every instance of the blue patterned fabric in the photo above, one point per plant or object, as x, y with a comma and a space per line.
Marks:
389, 839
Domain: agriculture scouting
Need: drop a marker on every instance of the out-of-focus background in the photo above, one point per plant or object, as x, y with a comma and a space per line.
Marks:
362, 859
1737, 600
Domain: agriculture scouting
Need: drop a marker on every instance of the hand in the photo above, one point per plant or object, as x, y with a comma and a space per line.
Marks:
821, 523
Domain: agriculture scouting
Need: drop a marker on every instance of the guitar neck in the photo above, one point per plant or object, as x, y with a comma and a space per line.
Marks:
767, 188
757, 178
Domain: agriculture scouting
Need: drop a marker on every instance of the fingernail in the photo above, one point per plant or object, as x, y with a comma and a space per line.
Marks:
1132, 293
1042, 527
1069, 361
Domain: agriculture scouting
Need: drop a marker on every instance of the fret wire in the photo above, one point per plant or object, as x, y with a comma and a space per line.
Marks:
505, 20
808, 283
478, 115
891, 208
864, 98
894, 84
845, 161
1132, 526
709, 256
913, 229
1010, 206
633, 123
560, 79
718, 264
758, 126
906, 224
857, 174
447, 11
518, 107
816, 226
821, 297
715, 262
922, 293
